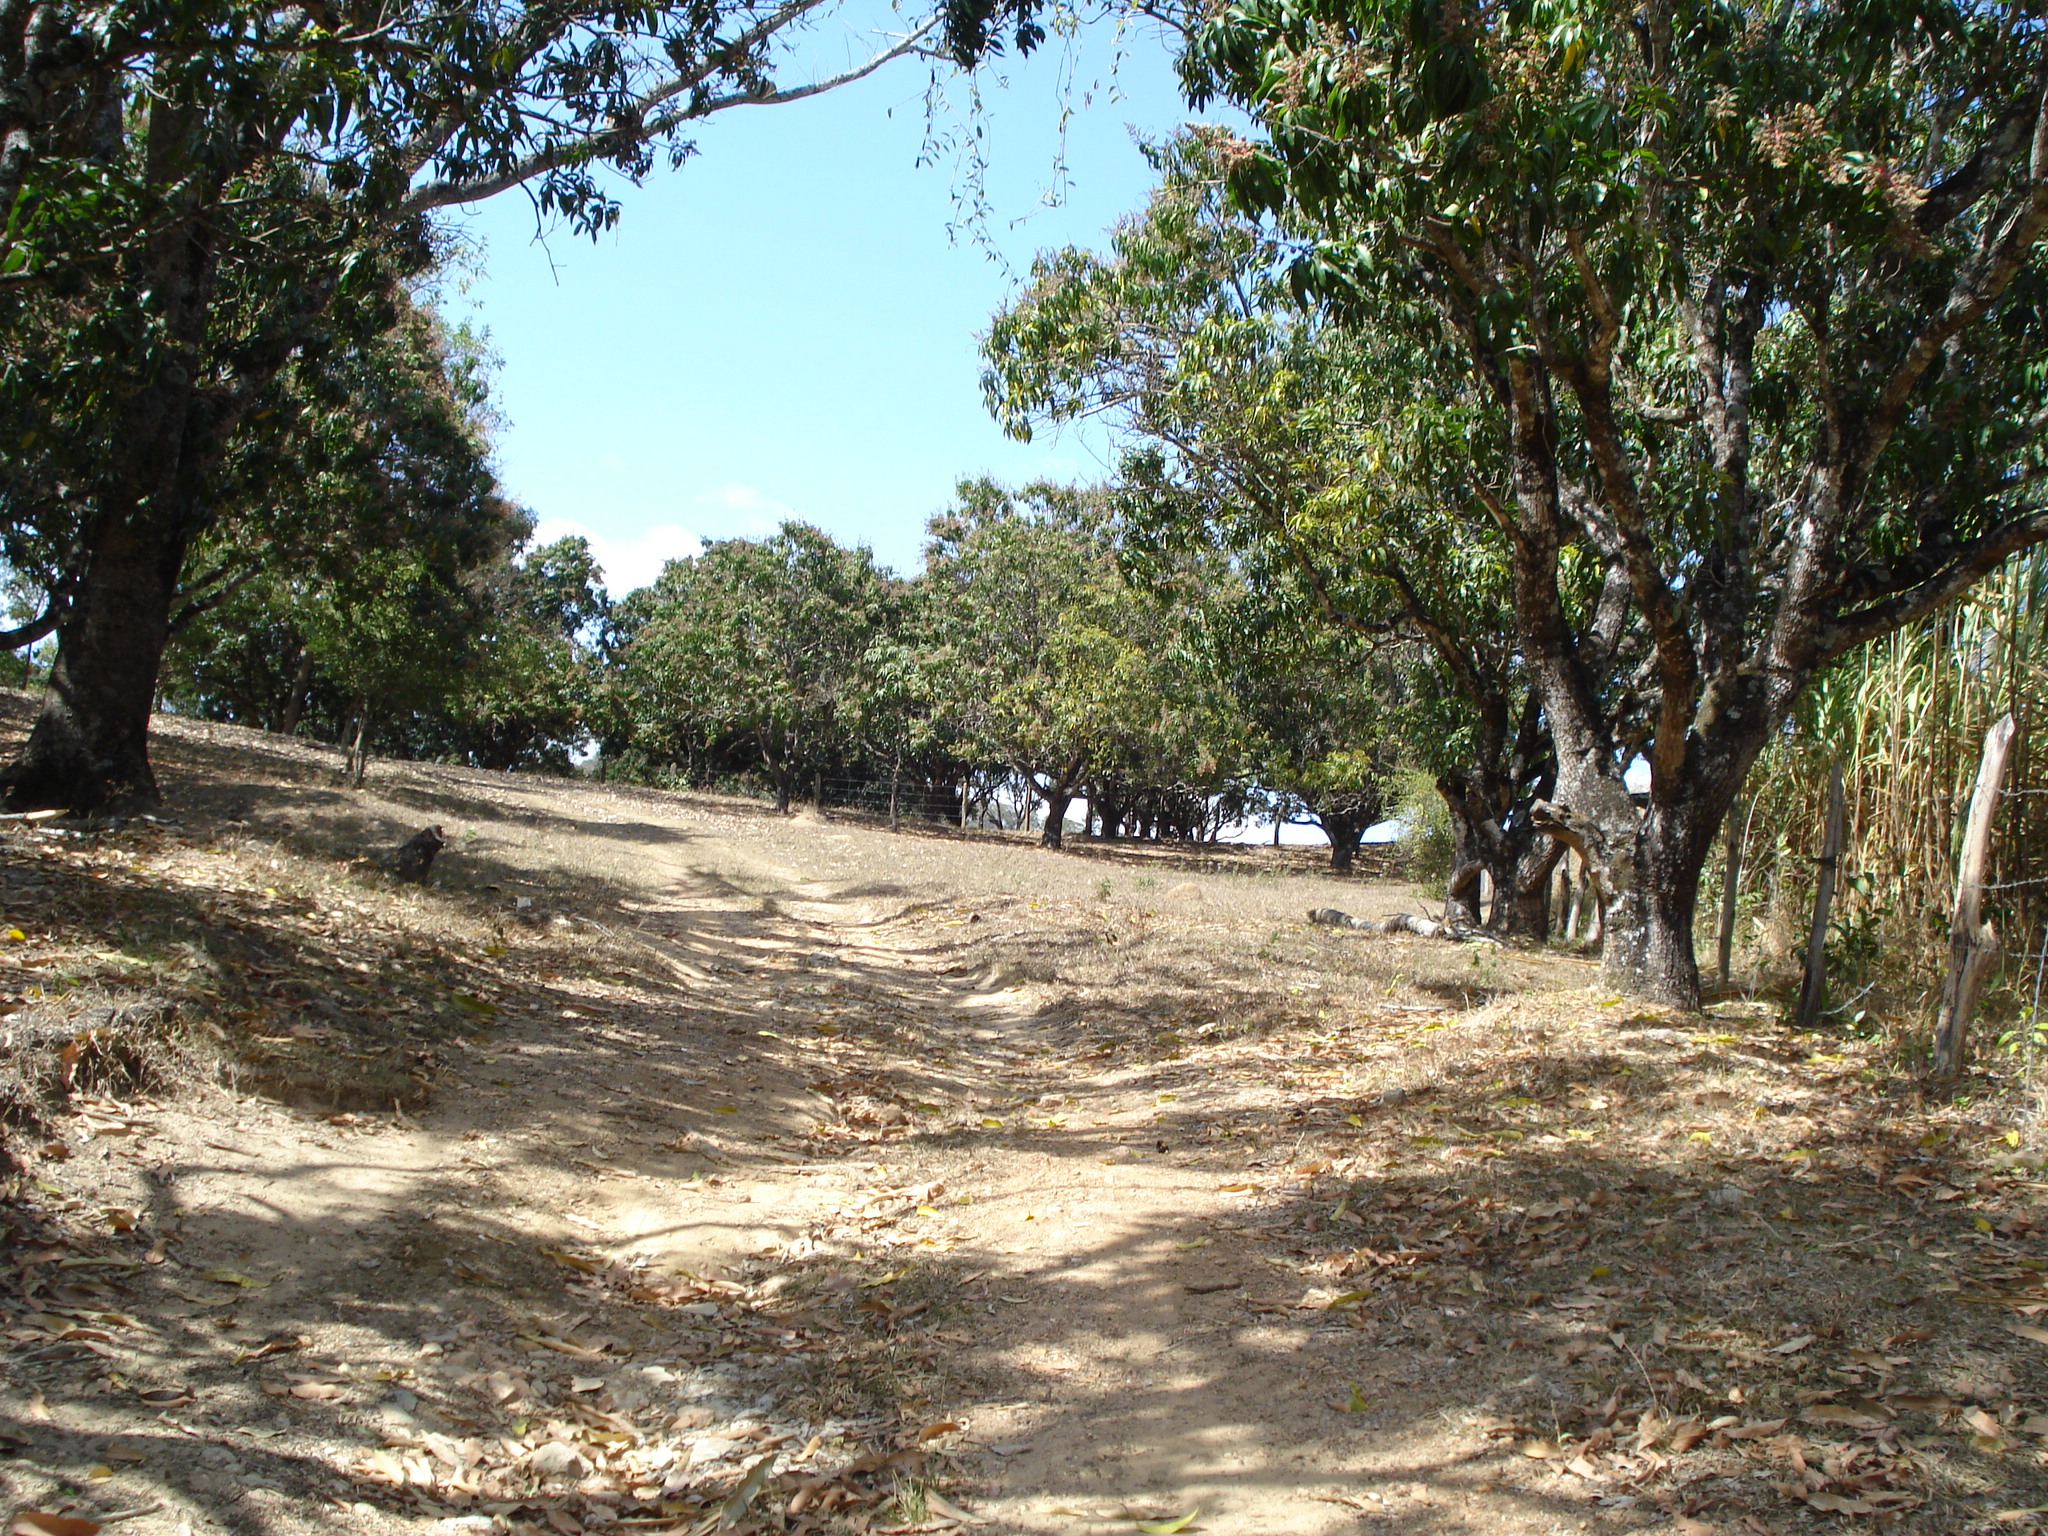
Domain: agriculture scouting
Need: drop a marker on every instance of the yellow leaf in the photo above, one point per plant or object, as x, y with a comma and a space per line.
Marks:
1168, 1527
234, 1277
16, 936
991, 1121
1354, 1120
725, 1109
1357, 1404
927, 1210
1706, 1136
1600, 1271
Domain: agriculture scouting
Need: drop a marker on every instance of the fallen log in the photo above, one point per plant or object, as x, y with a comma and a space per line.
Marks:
1403, 922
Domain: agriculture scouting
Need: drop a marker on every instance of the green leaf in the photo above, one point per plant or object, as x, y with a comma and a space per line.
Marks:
1168, 1527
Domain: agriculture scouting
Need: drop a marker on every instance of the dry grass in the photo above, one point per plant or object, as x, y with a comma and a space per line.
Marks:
1123, 1162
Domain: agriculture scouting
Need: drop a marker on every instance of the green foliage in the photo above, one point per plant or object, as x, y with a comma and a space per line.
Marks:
755, 652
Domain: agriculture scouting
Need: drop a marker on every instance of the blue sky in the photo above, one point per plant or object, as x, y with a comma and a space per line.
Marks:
786, 326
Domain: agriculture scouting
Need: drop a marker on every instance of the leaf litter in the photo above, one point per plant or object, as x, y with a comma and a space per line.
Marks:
1671, 1273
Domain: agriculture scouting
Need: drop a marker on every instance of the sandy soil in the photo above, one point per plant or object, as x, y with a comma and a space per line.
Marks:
667, 1165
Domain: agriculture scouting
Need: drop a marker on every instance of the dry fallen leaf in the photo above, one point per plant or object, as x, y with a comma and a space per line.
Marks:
36, 1522
1838, 1414
1686, 1434
1168, 1527
1834, 1503
234, 1277
1762, 1429
949, 1511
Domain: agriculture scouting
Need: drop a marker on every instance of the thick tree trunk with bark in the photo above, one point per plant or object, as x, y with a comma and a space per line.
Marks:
90, 744
1504, 846
1056, 803
1344, 831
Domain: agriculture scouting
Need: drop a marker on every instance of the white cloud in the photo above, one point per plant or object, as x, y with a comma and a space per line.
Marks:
632, 560
628, 562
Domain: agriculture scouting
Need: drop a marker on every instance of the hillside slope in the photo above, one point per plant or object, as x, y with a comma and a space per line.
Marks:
668, 1165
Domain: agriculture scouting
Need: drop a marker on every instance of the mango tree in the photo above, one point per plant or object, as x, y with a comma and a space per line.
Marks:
1749, 295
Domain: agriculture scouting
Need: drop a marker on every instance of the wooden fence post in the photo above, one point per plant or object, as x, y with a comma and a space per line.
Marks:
1731, 880
1814, 991
1971, 940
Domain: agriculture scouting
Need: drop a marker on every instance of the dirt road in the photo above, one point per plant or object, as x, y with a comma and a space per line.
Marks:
703, 1170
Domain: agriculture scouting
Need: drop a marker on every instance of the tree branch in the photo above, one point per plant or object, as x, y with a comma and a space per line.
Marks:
623, 133
36, 628
1971, 563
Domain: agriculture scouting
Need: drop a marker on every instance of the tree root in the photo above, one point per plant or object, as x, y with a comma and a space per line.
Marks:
1404, 922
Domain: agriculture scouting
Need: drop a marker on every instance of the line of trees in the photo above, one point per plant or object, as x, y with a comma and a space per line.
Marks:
1544, 398
1033, 655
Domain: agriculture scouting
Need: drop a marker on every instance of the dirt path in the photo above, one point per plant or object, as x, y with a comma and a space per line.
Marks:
750, 1174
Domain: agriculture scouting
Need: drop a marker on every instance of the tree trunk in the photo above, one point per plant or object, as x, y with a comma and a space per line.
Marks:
1647, 888
1344, 833
895, 788
1523, 907
1056, 803
90, 744
295, 699
1515, 859
782, 778
358, 767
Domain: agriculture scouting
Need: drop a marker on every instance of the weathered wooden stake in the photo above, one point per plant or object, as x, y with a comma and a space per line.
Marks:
1731, 882
1815, 989
1971, 940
